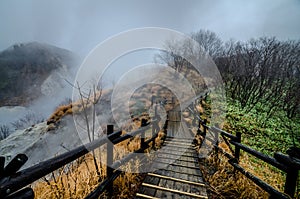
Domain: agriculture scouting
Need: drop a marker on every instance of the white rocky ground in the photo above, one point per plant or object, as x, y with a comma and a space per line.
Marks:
39, 144
41, 141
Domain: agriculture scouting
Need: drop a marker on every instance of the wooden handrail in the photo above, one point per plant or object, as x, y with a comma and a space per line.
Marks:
18, 180
27, 176
270, 160
288, 164
274, 193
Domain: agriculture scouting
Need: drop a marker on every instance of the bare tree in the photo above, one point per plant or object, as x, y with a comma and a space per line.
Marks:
27, 120
262, 71
4, 131
88, 101
211, 43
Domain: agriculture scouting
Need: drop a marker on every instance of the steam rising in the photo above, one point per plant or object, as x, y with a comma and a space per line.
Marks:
80, 25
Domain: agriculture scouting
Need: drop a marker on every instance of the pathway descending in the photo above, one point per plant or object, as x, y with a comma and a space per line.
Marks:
176, 172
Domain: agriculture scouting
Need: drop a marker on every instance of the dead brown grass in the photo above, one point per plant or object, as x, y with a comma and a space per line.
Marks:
79, 178
225, 182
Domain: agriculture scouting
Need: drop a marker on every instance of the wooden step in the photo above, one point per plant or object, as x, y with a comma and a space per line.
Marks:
179, 143
178, 172
178, 147
174, 191
176, 159
140, 195
179, 176
177, 165
181, 153
176, 179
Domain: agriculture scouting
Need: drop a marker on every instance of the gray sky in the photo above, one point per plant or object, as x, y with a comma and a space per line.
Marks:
79, 25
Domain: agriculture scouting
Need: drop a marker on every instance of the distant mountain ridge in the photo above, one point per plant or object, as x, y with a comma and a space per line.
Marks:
25, 67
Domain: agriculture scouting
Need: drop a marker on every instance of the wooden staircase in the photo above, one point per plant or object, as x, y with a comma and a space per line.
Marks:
176, 172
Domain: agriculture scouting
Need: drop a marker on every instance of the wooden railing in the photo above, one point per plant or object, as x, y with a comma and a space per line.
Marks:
290, 164
13, 181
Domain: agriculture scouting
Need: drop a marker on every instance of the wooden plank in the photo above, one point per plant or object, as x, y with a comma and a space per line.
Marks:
262, 156
185, 140
179, 138
177, 165
165, 152
174, 191
164, 194
147, 191
184, 171
174, 159
179, 143
179, 172
150, 180
176, 179
178, 146
145, 196
178, 149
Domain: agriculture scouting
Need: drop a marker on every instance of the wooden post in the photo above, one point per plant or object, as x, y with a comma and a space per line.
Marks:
292, 170
204, 127
2, 163
199, 126
154, 126
152, 100
26, 193
237, 149
166, 126
109, 160
216, 134
143, 123
15, 164
194, 122
291, 182
153, 133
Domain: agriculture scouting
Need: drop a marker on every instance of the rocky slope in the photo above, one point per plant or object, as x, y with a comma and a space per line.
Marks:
46, 140
30, 70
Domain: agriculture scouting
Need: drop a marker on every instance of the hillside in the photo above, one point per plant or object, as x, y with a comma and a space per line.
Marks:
24, 69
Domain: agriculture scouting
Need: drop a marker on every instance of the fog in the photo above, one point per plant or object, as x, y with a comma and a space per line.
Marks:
81, 25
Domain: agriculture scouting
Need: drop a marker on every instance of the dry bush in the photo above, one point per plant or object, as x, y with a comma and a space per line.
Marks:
264, 171
75, 180
225, 182
80, 177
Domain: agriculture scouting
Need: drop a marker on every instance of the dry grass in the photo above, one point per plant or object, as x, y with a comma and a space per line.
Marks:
264, 171
79, 178
73, 181
225, 182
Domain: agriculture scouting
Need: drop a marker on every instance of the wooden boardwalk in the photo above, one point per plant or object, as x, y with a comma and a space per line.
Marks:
176, 172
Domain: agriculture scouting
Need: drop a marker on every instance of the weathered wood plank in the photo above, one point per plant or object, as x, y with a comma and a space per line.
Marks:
176, 179
174, 191
176, 172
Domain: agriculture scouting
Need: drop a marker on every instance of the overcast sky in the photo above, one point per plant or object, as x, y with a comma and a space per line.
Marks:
79, 25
